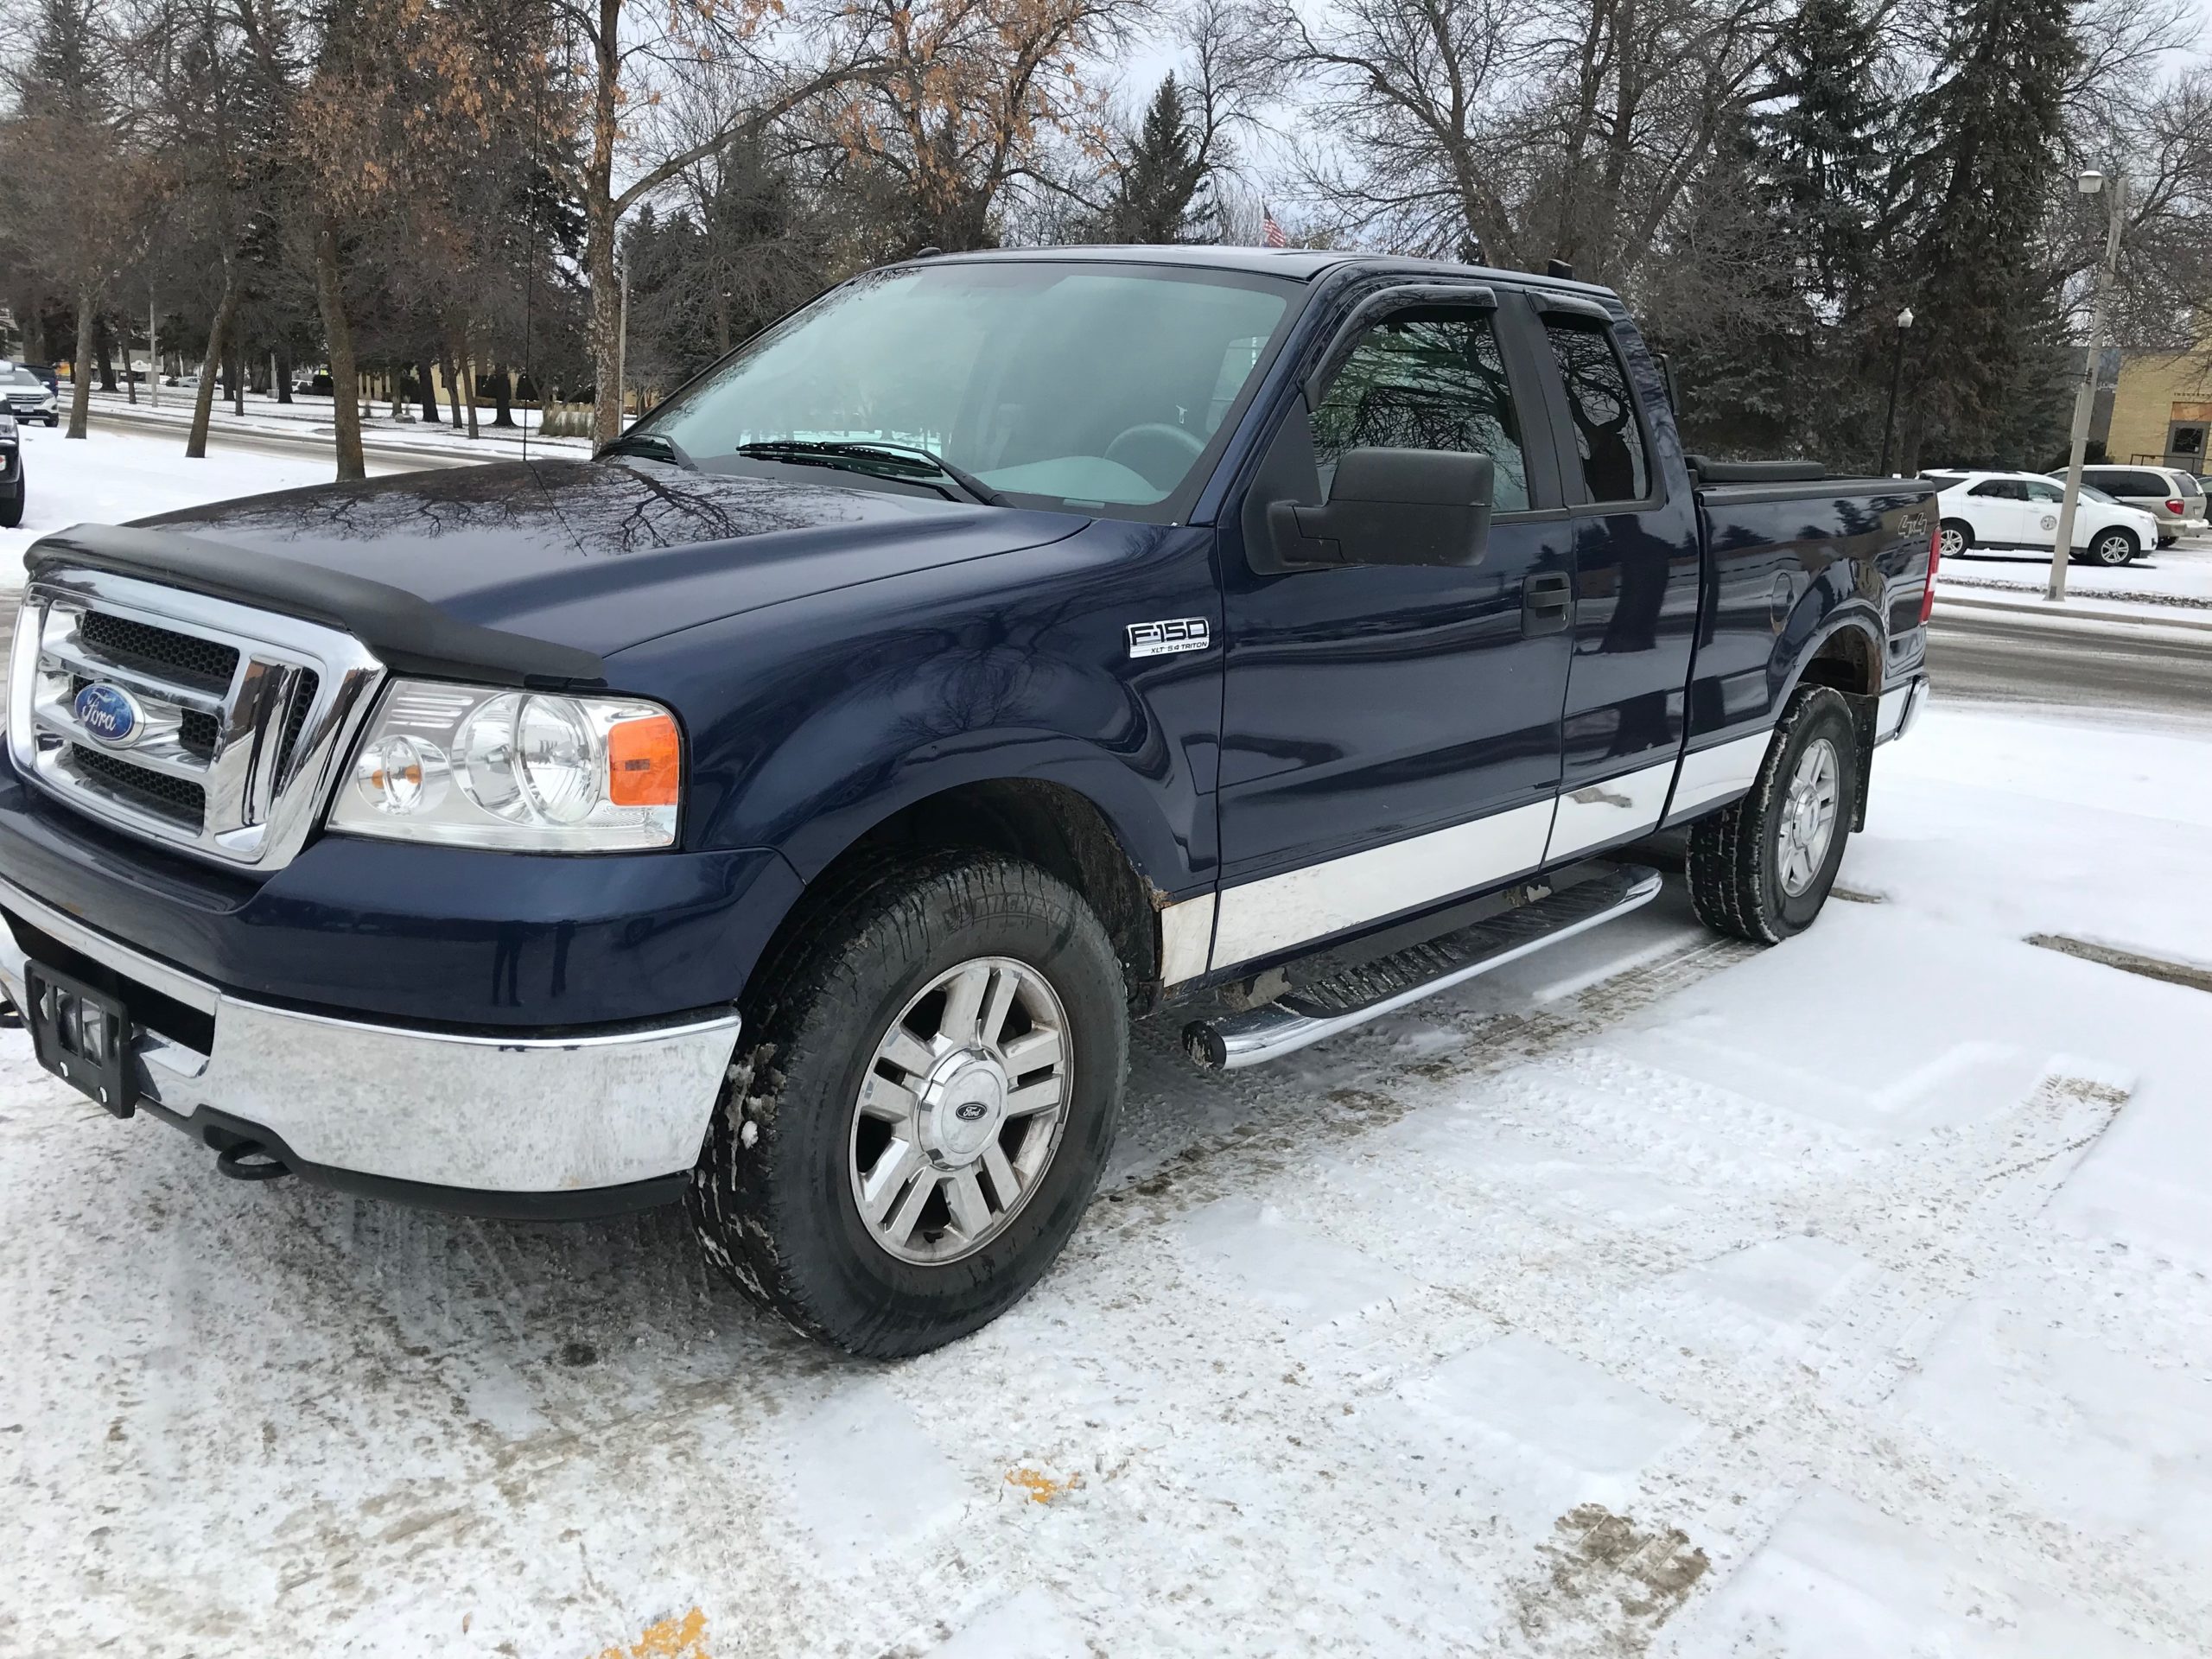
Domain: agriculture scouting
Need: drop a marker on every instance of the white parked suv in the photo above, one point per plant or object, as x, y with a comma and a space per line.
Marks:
2020, 510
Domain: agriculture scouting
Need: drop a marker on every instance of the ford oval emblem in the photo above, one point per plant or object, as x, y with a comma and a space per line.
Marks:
110, 713
970, 1111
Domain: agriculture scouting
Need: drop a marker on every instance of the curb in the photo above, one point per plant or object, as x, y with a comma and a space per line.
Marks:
2061, 614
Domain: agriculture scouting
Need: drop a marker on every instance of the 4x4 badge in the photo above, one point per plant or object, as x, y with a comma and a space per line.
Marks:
1165, 638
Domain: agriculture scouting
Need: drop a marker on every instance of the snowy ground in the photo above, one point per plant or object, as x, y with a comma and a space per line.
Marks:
2179, 575
113, 474
1848, 1299
311, 416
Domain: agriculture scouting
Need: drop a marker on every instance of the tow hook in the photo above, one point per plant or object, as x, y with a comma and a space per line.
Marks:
265, 1166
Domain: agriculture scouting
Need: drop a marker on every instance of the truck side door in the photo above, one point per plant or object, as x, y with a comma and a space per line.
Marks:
1638, 578
1390, 733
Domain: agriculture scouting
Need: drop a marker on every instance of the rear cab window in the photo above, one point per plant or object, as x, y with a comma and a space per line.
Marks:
1609, 439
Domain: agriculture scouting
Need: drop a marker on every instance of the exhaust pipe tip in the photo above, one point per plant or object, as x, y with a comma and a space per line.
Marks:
266, 1166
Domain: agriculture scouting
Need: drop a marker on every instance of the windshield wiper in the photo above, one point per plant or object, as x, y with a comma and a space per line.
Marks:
906, 458
652, 445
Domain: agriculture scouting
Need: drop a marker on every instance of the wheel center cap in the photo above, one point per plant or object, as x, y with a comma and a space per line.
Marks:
964, 1106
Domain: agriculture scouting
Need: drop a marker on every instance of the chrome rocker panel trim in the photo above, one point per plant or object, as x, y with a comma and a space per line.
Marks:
495, 1114
1269, 1032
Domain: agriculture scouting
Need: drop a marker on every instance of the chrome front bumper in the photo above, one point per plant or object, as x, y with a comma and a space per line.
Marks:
562, 1114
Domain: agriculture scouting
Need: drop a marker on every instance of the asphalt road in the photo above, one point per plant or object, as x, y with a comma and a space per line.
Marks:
2000, 657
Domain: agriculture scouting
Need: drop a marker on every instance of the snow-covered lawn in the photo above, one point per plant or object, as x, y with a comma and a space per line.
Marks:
2178, 575
112, 475
312, 416
1853, 1297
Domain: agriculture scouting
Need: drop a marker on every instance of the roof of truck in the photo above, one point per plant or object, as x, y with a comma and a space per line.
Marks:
1299, 265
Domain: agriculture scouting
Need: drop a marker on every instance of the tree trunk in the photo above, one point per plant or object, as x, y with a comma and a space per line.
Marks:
503, 386
106, 350
237, 379
464, 370
601, 224
284, 377
453, 384
427, 390
153, 353
203, 396
80, 378
345, 382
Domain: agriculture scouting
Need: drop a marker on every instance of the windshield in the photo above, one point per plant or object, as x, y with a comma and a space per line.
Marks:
2091, 492
1094, 387
24, 378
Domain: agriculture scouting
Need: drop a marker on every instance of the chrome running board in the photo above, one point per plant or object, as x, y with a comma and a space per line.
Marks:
1311, 1013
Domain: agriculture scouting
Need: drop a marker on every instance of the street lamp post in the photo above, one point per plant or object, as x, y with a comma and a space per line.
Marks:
1897, 372
2085, 397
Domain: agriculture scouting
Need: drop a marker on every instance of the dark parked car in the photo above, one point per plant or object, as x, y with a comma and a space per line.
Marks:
784, 812
28, 397
12, 473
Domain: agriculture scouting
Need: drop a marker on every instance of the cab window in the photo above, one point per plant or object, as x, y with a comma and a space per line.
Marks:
1426, 379
1608, 437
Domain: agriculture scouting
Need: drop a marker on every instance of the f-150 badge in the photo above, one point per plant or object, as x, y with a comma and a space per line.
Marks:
1165, 638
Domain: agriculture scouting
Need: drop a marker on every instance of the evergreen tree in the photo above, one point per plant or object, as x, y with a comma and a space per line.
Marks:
1164, 193
65, 76
1985, 149
1822, 151
1784, 230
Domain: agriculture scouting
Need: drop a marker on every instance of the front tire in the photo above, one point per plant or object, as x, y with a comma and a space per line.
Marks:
2113, 548
1760, 869
923, 1102
11, 509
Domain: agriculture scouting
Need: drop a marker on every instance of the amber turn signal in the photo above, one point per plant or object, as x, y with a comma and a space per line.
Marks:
644, 762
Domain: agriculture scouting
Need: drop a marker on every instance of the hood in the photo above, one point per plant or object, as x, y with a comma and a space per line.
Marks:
598, 556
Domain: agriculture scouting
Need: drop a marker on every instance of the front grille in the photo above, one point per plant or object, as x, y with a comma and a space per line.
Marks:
186, 657
229, 729
295, 723
177, 799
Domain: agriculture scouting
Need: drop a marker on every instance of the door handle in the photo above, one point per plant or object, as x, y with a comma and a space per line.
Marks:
1547, 603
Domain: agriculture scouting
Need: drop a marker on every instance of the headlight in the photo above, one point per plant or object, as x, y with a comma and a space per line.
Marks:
524, 771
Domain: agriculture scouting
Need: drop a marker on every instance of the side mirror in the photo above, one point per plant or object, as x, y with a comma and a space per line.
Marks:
1392, 506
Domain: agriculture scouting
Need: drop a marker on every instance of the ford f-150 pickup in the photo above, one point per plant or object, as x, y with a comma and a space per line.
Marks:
784, 811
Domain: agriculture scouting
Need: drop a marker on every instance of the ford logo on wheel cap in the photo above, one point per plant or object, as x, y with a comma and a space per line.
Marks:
109, 714
970, 1111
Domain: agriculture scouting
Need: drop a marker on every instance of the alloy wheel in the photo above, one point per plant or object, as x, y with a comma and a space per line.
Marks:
961, 1111
1807, 816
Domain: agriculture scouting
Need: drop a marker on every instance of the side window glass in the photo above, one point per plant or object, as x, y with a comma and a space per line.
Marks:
1607, 434
2004, 489
1426, 380
2045, 492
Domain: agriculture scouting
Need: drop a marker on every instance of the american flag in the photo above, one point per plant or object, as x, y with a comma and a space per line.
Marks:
1270, 232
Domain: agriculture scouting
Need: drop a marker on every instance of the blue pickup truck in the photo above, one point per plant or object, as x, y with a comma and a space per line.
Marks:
785, 811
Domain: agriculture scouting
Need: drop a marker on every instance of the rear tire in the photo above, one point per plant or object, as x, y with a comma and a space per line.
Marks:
809, 1136
1760, 869
1955, 537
